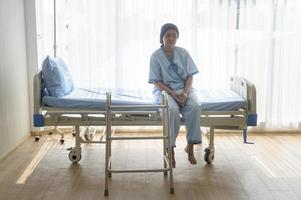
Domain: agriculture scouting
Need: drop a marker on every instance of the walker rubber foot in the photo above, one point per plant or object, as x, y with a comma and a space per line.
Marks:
106, 193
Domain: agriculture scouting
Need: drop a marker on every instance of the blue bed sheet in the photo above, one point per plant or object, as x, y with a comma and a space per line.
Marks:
95, 98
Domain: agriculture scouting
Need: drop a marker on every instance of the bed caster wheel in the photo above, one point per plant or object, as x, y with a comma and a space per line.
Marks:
165, 173
172, 191
74, 157
62, 141
73, 134
37, 139
106, 193
209, 155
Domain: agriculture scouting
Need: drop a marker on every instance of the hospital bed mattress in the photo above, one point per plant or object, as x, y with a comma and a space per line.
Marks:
95, 98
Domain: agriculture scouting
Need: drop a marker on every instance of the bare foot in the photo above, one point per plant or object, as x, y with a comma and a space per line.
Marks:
189, 151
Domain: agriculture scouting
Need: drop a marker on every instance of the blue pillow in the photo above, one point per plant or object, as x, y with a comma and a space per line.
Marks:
57, 77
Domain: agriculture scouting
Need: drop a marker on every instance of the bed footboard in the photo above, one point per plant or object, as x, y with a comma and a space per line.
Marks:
246, 90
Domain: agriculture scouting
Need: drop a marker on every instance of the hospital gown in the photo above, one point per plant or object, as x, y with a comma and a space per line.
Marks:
173, 72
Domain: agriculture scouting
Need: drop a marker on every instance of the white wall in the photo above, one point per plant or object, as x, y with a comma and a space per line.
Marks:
14, 103
32, 50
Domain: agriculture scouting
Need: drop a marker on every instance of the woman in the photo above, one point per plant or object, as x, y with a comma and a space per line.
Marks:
172, 70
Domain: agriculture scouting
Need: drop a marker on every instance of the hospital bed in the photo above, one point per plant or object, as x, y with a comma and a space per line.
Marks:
233, 109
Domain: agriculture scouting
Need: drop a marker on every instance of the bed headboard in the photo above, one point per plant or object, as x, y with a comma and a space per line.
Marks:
37, 84
246, 90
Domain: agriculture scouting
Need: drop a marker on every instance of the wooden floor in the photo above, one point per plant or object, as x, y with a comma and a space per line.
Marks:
268, 169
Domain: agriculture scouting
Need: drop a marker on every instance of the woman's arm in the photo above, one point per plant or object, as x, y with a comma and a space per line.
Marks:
169, 91
163, 87
188, 85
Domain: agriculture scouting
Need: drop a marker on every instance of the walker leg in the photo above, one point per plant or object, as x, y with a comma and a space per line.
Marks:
106, 191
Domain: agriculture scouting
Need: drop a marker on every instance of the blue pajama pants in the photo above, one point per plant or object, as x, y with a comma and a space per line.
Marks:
190, 113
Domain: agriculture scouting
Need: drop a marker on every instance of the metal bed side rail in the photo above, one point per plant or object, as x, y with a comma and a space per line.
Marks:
206, 121
63, 111
232, 113
236, 121
57, 111
129, 111
134, 118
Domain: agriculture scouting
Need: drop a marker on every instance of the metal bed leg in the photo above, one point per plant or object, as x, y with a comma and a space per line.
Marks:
245, 135
209, 151
61, 133
73, 132
38, 134
75, 152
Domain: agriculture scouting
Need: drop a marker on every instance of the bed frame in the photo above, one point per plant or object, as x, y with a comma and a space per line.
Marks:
127, 116
232, 120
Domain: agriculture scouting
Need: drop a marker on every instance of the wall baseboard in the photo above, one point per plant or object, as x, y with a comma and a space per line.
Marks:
21, 141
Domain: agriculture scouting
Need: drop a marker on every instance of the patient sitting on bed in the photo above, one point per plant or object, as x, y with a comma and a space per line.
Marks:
172, 70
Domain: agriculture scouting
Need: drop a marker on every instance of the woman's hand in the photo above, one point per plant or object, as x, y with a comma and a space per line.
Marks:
181, 99
176, 97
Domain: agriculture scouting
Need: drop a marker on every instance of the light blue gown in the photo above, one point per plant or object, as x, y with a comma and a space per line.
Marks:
173, 72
